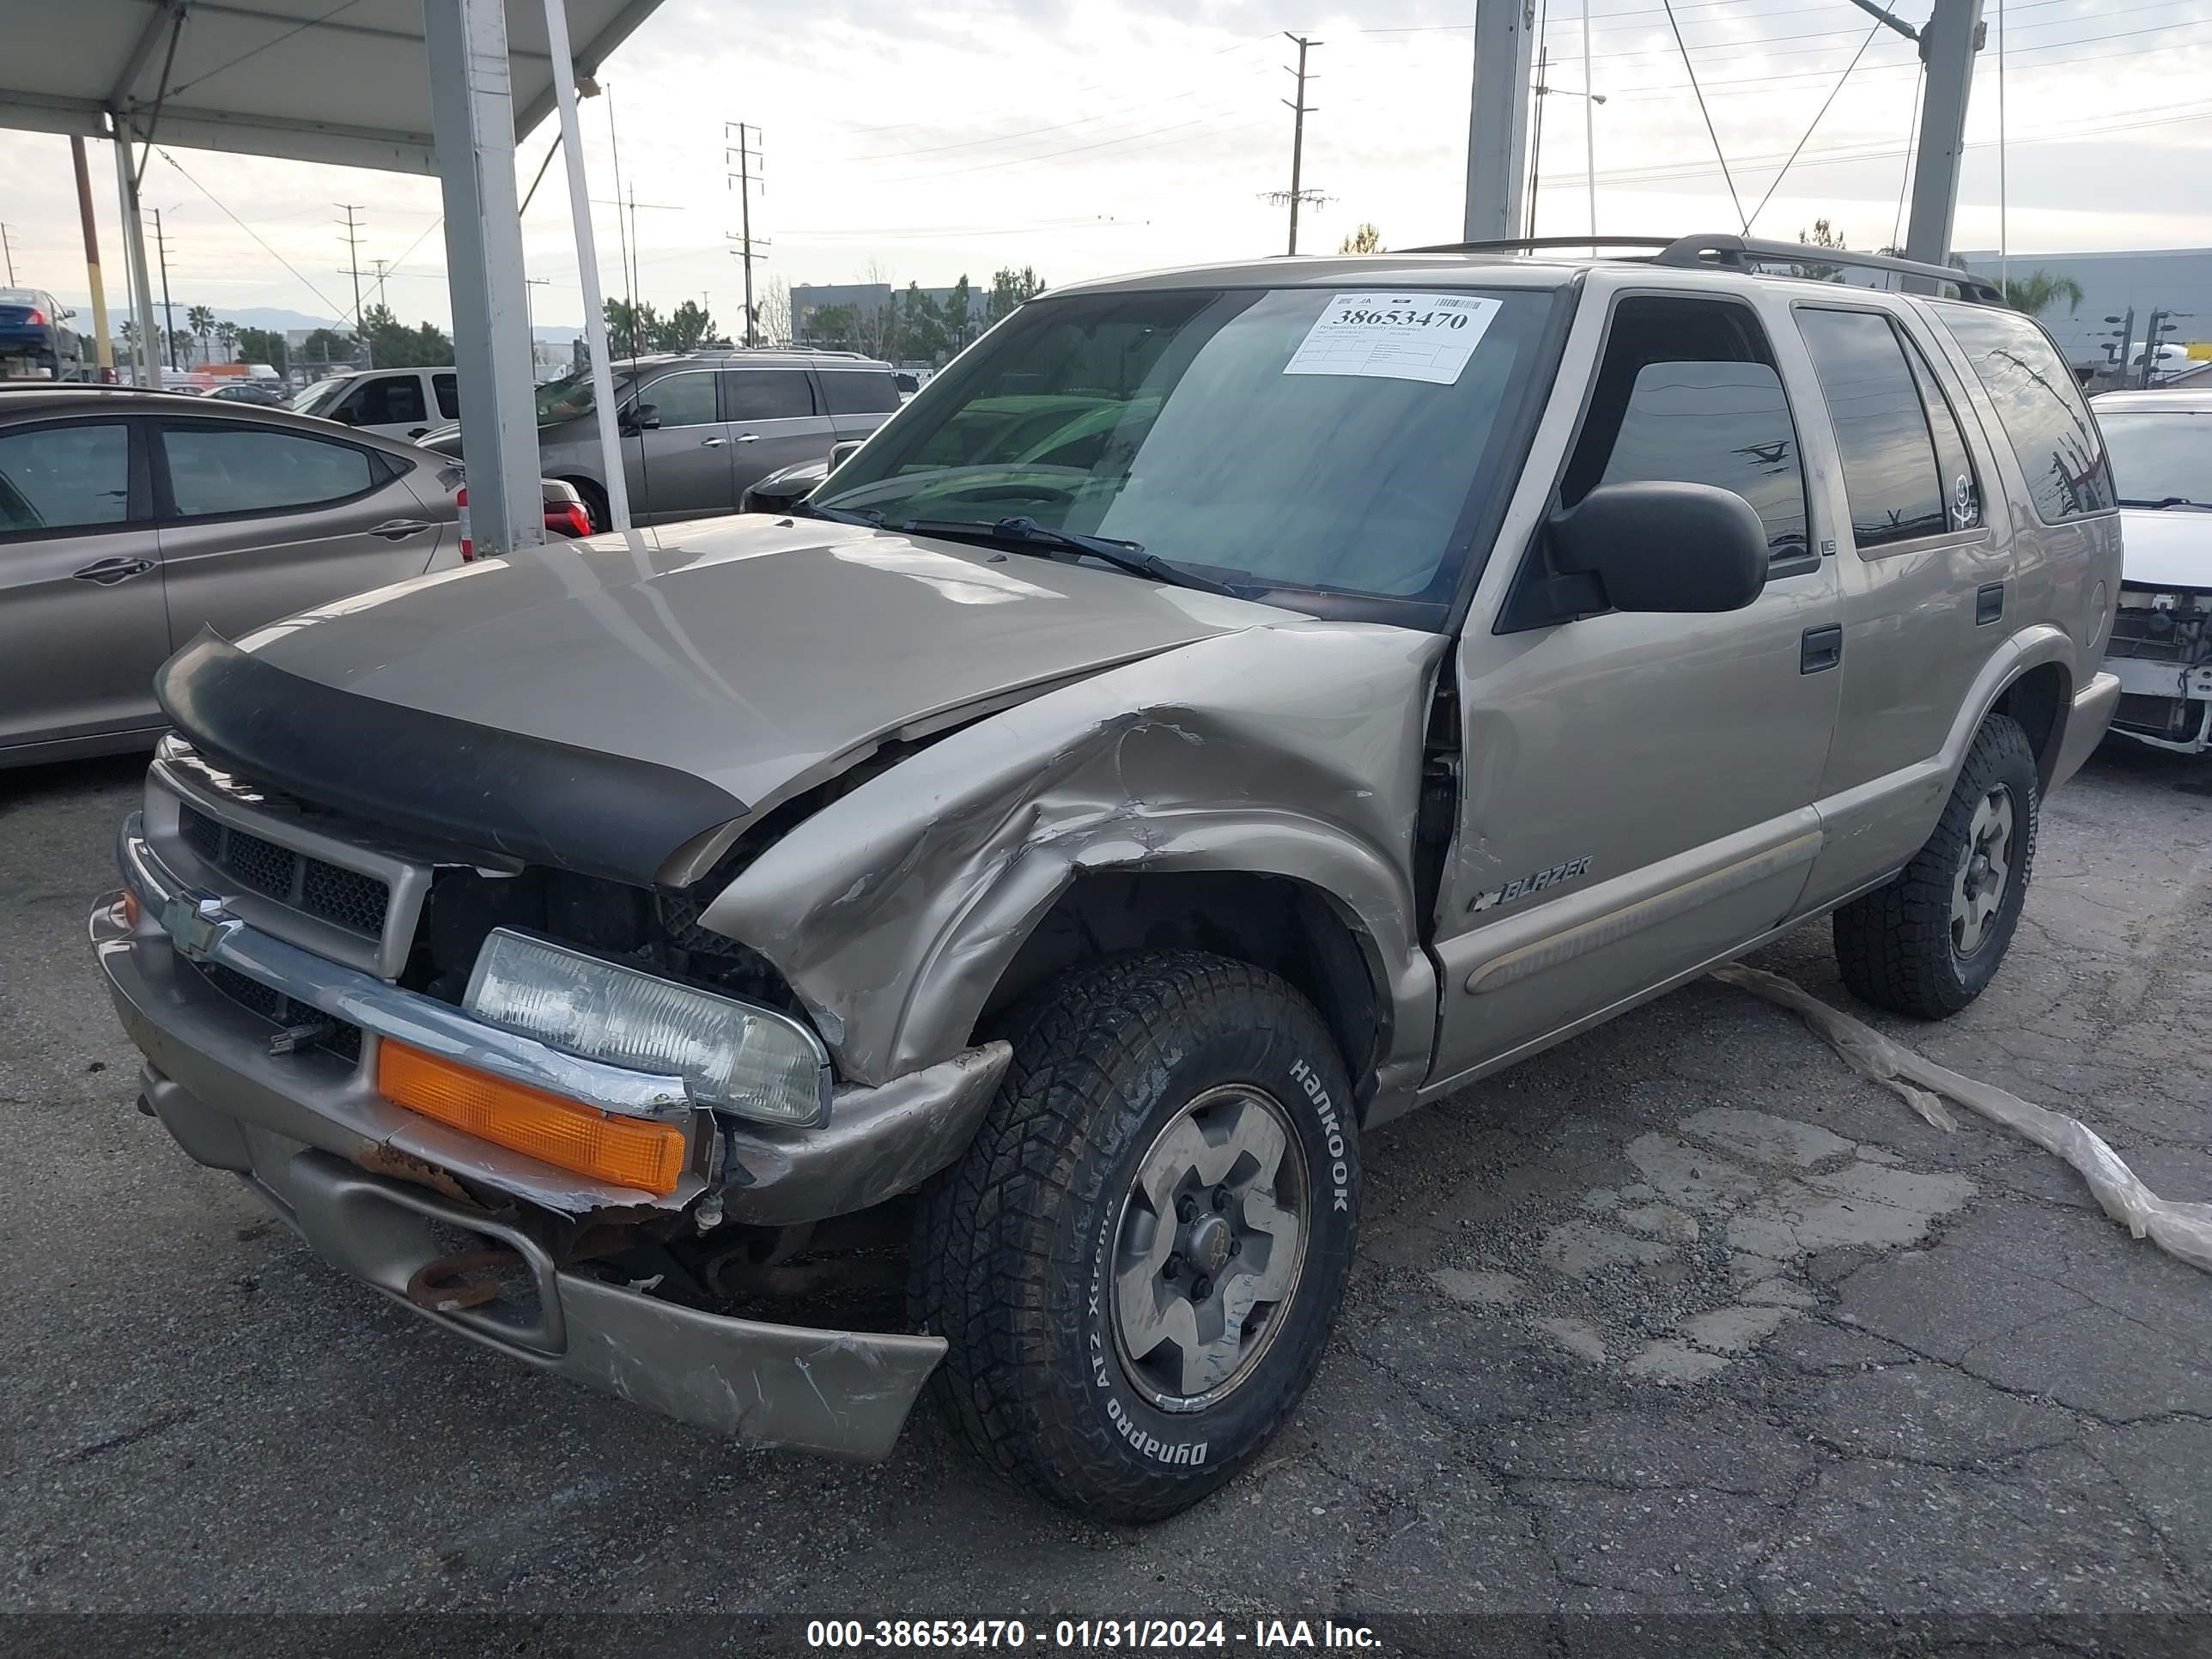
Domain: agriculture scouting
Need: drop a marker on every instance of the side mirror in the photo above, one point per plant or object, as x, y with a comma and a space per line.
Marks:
1663, 546
842, 453
643, 417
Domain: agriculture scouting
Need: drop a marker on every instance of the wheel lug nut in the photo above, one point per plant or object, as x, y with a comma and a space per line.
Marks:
1174, 1268
1186, 1207
1221, 1197
1235, 1247
1203, 1289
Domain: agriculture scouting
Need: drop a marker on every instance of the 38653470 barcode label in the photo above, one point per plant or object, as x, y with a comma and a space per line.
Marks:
1394, 335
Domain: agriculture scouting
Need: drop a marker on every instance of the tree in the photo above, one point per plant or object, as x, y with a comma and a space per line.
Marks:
201, 319
836, 328
1365, 240
921, 325
260, 345
1821, 235
2037, 291
683, 329
960, 315
226, 335
631, 331
328, 345
772, 312
1009, 287
392, 344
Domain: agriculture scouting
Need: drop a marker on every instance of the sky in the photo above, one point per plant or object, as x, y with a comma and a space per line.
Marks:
913, 142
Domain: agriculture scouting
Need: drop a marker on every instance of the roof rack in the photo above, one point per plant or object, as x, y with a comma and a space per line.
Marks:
1732, 253
1744, 252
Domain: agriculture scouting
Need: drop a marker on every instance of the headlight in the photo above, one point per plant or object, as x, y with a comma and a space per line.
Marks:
750, 1060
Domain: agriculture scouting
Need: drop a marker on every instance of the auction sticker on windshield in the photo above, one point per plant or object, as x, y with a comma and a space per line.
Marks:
1394, 336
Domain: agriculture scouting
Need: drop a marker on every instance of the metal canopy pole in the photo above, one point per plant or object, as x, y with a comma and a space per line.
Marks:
1498, 121
472, 113
145, 366
1947, 44
587, 267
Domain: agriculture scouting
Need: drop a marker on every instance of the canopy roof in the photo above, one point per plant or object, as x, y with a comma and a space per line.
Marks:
340, 81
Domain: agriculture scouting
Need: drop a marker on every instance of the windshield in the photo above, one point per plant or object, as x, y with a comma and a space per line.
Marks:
1299, 438
318, 395
2159, 454
566, 398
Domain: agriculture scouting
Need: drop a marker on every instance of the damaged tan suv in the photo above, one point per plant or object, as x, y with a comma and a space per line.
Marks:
1225, 710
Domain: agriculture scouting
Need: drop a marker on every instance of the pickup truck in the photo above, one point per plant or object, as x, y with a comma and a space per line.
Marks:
1225, 710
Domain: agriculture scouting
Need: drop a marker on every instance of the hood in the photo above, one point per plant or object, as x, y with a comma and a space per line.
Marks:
725, 665
2166, 547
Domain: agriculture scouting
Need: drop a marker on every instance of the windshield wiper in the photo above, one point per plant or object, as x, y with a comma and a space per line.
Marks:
1123, 556
835, 514
2167, 501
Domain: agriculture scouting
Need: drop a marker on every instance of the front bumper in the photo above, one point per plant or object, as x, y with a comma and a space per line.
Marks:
370, 1185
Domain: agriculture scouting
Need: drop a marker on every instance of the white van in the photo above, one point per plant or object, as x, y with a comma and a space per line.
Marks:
392, 403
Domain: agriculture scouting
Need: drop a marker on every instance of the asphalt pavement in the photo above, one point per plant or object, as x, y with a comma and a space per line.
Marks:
1679, 1336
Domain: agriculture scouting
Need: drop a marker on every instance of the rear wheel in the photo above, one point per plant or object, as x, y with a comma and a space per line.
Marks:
1928, 942
1139, 1259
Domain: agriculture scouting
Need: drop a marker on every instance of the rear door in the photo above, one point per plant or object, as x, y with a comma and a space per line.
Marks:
775, 421
860, 399
679, 466
257, 522
82, 627
391, 406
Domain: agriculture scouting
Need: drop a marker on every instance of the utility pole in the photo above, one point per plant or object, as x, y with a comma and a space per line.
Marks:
382, 267
353, 264
1948, 43
10, 251
1536, 131
169, 311
749, 138
1299, 111
1498, 119
104, 352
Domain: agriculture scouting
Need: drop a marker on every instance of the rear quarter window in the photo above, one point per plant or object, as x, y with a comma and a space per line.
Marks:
860, 390
2039, 407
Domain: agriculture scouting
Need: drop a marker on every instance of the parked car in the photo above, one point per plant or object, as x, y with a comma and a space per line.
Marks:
697, 430
262, 394
2161, 643
1226, 709
390, 403
130, 520
33, 336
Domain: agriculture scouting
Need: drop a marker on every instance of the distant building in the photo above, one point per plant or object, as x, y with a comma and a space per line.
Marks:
2173, 280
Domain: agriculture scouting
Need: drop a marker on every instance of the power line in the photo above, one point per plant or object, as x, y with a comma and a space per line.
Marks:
1734, 199
329, 304
1816, 122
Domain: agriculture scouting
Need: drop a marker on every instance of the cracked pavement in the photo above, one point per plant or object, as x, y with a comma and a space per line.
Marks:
1682, 1321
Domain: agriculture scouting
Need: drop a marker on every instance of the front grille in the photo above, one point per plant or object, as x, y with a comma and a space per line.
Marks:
2155, 717
281, 1010
345, 898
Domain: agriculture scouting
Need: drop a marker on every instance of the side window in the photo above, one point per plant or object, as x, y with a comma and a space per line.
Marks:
686, 399
64, 477
1954, 462
2040, 407
447, 389
216, 470
1881, 428
387, 400
1687, 392
860, 390
766, 394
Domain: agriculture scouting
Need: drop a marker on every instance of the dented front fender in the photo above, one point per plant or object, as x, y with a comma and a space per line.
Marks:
1292, 751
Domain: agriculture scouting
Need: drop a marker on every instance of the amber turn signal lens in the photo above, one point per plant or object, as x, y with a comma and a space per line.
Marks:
628, 1151
130, 909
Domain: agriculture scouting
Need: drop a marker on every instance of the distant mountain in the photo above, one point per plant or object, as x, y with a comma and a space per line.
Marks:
269, 316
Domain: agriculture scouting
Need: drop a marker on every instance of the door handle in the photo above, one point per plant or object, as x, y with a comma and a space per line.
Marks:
108, 571
417, 431
399, 530
1820, 649
748, 437
712, 443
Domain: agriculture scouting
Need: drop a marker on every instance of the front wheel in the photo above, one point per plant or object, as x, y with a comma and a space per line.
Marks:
1929, 941
1137, 1261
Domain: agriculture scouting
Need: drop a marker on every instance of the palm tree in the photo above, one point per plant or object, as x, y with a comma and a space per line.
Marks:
2037, 292
227, 335
203, 324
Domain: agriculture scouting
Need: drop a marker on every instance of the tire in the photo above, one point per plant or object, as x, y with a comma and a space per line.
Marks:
1021, 1246
1905, 946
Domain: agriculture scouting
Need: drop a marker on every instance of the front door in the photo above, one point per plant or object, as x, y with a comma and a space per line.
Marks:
773, 422
678, 463
81, 623
391, 406
259, 522
1638, 789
